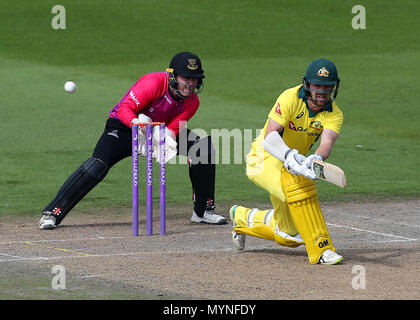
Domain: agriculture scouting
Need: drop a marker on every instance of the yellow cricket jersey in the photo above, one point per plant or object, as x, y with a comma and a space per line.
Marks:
302, 127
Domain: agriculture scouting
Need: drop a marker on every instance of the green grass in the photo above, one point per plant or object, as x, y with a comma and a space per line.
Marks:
251, 52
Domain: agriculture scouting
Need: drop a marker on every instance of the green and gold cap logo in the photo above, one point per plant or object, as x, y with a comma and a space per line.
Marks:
323, 72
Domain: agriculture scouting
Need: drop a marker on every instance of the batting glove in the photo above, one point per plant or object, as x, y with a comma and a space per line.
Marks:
309, 173
309, 159
294, 161
307, 166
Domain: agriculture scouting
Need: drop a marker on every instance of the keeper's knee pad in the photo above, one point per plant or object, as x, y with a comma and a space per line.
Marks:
83, 180
302, 198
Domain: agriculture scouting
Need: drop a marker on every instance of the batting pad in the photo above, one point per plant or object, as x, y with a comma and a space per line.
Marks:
262, 224
302, 198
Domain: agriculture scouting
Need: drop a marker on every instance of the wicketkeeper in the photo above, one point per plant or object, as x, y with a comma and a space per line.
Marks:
298, 118
169, 97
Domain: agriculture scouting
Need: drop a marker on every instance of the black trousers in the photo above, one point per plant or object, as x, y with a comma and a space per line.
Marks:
115, 145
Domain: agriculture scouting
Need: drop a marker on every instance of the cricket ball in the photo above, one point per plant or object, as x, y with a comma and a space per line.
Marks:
70, 86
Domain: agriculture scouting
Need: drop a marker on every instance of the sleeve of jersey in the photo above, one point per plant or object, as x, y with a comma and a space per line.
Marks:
334, 120
180, 121
280, 111
144, 91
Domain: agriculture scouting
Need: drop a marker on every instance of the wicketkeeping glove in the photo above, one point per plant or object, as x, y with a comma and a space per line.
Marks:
170, 144
142, 134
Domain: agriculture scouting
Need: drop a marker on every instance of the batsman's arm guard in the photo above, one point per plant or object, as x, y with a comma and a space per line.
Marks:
302, 199
275, 145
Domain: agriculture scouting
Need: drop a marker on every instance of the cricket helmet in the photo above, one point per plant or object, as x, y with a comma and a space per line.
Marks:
321, 72
188, 65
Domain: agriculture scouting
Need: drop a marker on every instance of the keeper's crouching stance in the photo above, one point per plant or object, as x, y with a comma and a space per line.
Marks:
276, 164
169, 97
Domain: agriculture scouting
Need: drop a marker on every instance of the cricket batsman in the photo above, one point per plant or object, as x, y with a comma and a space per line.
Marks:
169, 97
300, 116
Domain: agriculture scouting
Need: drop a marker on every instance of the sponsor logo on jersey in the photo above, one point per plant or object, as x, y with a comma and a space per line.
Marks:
136, 101
278, 110
292, 126
314, 125
167, 99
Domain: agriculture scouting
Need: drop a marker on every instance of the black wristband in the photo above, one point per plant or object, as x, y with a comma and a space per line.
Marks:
287, 152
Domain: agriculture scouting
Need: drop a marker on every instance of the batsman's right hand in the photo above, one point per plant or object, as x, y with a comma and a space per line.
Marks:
308, 172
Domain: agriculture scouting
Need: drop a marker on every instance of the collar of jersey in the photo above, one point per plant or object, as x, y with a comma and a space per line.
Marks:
302, 95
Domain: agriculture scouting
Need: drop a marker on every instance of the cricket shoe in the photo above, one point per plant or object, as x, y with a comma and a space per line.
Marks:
330, 257
238, 239
209, 216
47, 222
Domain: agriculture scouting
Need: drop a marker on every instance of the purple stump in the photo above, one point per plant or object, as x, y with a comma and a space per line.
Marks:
135, 180
149, 181
162, 205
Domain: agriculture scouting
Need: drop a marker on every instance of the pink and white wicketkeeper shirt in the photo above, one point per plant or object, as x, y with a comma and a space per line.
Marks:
150, 96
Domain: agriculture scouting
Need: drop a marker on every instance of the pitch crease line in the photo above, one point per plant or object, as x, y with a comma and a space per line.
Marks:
55, 248
370, 231
62, 240
9, 255
372, 218
85, 255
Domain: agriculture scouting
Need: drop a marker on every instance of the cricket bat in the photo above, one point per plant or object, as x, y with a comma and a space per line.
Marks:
329, 172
